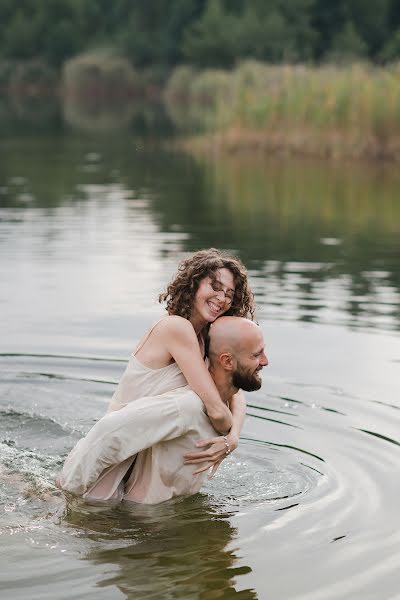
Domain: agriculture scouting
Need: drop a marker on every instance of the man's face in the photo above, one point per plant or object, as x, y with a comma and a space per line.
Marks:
246, 379
250, 361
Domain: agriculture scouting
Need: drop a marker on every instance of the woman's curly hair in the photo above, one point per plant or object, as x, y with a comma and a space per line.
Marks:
182, 290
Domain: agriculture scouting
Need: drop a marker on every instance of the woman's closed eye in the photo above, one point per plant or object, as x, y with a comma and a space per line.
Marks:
229, 294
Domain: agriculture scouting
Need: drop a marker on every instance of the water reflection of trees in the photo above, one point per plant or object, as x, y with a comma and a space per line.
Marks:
22, 114
310, 226
300, 227
177, 549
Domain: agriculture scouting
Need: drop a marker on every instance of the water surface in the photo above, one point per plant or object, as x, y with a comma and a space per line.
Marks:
91, 229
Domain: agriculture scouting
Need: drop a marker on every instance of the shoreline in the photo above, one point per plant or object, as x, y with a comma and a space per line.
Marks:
294, 143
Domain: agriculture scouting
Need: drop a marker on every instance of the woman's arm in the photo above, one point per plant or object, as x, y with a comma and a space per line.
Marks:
181, 342
215, 449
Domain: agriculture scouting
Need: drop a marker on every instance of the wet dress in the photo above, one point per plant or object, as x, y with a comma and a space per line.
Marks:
135, 452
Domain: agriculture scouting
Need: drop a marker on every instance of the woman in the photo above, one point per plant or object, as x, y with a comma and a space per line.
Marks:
171, 355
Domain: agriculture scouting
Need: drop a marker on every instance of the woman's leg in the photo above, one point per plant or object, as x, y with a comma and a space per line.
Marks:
118, 437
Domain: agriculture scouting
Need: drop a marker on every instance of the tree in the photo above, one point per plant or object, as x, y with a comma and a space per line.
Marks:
212, 40
20, 37
267, 38
348, 44
61, 42
391, 50
371, 19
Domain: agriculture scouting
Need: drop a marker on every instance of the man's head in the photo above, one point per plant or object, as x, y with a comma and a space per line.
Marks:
236, 351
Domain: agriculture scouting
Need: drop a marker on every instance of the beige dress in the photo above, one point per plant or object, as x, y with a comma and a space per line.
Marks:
152, 420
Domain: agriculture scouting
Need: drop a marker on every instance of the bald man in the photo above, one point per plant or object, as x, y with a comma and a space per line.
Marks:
135, 453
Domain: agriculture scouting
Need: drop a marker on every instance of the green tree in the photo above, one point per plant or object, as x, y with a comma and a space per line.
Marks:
61, 42
391, 50
212, 40
271, 30
348, 44
267, 38
298, 15
371, 19
153, 32
209, 33
20, 36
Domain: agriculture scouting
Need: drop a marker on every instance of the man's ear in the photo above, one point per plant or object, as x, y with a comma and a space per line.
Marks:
226, 361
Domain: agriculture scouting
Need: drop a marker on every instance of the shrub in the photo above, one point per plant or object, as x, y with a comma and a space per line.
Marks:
102, 73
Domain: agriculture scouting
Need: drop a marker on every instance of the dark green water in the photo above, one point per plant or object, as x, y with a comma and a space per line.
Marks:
91, 229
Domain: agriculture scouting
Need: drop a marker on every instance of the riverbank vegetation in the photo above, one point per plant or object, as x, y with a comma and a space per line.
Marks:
314, 76
351, 110
206, 33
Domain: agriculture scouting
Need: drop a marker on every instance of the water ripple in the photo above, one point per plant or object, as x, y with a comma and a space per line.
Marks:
320, 481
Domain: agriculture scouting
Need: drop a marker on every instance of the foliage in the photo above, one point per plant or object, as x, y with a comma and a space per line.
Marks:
32, 77
211, 40
391, 49
272, 31
198, 99
208, 33
348, 44
358, 102
100, 73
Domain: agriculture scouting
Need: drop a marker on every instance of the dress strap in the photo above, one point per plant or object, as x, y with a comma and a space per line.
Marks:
146, 337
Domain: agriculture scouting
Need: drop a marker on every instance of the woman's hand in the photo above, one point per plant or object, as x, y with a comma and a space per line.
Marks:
214, 451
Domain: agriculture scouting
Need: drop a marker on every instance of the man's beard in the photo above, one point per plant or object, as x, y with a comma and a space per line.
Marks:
244, 380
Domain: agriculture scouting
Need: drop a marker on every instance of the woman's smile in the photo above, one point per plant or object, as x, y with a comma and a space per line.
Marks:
213, 298
215, 308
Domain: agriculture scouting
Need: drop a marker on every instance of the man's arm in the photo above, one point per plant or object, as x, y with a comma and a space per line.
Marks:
237, 405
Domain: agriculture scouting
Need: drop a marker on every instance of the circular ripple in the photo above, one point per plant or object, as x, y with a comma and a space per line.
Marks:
258, 473
316, 480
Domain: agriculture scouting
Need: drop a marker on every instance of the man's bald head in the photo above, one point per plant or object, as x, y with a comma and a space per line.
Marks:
230, 334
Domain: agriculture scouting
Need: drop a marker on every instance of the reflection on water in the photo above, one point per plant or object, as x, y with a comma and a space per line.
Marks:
317, 499
29, 113
182, 549
86, 113
321, 241
306, 508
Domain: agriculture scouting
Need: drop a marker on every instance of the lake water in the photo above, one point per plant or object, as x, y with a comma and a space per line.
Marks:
91, 229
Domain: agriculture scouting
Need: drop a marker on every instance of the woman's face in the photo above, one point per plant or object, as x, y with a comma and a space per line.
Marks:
213, 298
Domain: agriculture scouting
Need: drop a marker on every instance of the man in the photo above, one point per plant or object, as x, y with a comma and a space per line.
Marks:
173, 422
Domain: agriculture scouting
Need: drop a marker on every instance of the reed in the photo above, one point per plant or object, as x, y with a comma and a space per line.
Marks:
195, 99
333, 110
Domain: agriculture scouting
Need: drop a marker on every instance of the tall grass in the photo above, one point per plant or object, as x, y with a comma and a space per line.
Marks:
351, 109
195, 99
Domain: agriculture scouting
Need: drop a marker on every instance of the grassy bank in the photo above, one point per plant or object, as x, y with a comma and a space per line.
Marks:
333, 111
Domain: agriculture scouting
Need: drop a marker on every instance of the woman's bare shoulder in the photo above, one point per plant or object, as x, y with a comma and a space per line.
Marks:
176, 325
